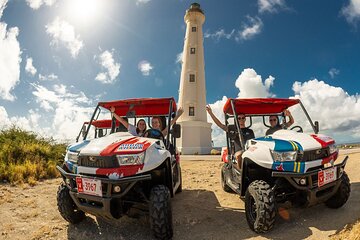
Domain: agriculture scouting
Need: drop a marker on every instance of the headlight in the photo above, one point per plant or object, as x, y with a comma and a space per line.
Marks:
283, 156
133, 159
333, 148
73, 156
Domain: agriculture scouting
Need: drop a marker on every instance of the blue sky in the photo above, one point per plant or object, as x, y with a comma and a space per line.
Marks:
86, 51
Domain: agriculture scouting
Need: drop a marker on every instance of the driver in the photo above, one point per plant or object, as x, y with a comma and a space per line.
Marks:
135, 131
247, 133
156, 124
275, 125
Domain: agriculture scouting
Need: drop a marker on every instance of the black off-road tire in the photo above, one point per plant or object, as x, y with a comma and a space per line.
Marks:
67, 207
160, 212
342, 194
260, 207
224, 186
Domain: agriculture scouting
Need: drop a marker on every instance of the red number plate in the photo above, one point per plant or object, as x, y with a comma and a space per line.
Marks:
89, 186
326, 176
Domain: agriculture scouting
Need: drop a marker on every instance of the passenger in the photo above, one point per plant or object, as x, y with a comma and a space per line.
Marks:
140, 128
275, 125
156, 123
247, 133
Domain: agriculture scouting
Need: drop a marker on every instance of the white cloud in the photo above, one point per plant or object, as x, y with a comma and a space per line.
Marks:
179, 57
112, 68
270, 5
250, 84
145, 67
2, 6
36, 4
68, 109
219, 34
336, 110
333, 72
50, 77
29, 66
250, 29
352, 11
10, 58
141, 2
62, 32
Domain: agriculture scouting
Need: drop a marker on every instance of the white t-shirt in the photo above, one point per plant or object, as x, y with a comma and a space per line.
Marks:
132, 130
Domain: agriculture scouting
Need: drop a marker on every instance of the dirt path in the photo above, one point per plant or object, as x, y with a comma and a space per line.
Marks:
201, 211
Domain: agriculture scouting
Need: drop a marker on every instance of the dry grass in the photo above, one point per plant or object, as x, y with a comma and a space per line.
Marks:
350, 232
27, 158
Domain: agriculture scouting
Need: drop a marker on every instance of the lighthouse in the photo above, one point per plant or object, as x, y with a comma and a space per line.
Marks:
196, 131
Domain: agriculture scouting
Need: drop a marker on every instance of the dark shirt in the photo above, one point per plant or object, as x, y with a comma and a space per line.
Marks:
247, 134
273, 129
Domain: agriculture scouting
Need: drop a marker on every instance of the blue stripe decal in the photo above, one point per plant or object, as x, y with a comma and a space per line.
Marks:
77, 147
282, 145
71, 166
297, 167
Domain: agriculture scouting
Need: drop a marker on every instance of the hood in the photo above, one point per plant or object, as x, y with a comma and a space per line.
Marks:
287, 140
116, 143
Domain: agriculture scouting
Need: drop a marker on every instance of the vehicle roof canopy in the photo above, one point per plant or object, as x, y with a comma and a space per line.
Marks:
106, 123
141, 106
259, 106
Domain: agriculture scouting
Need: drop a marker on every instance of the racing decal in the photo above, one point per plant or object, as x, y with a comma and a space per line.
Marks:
330, 158
323, 140
109, 150
297, 167
280, 167
123, 171
282, 145
133, 146
77, 147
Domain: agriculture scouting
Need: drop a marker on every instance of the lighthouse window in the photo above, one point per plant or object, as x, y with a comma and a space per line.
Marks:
192, 50
193, 29
191, 111
192, 78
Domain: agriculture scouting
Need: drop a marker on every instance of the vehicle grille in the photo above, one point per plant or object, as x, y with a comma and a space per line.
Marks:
98, 161
313, 154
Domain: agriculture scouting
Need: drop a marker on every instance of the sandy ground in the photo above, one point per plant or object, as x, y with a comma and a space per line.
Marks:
201, 211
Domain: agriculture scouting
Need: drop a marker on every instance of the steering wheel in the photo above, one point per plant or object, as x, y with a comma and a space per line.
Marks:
300, 128
154, 133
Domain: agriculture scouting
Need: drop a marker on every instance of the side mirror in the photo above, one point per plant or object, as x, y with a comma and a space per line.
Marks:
176, 130
317, 127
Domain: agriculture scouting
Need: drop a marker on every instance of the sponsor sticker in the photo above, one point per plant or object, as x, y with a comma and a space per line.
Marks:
131, 146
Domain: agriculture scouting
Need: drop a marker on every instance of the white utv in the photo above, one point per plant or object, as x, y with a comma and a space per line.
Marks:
112, 172
288, 165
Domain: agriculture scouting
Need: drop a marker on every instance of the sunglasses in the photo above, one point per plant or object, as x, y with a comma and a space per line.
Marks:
241, 118
272, 120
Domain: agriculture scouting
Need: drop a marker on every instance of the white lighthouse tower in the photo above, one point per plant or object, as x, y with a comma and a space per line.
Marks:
196, 131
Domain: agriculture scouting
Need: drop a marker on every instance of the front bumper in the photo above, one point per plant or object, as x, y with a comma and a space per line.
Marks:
315, 194
100, 206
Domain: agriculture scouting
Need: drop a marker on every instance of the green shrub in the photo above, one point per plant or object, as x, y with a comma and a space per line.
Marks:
26, 157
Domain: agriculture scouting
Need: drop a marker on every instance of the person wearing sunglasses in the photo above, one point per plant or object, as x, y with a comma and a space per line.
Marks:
275, 124
247, 133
